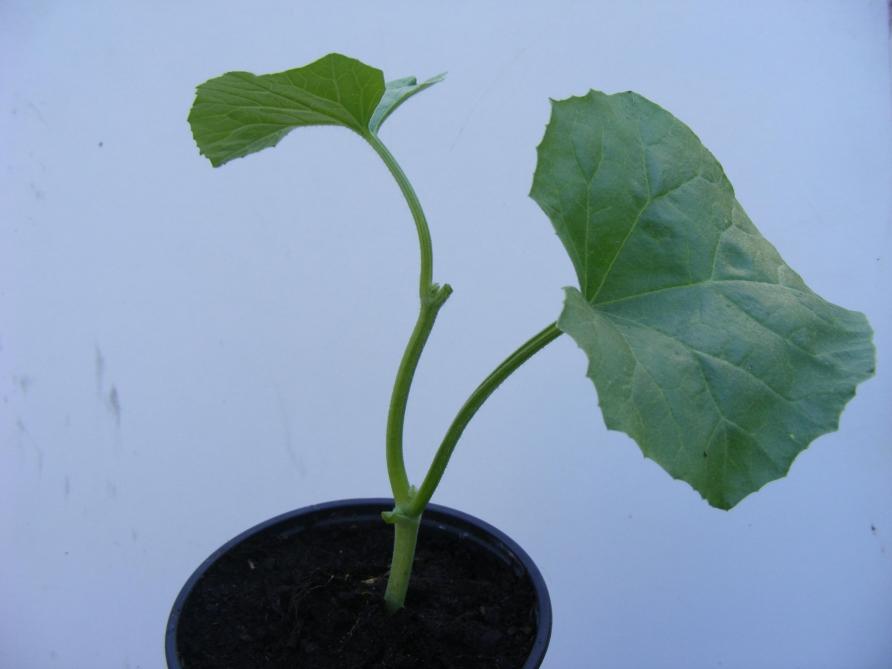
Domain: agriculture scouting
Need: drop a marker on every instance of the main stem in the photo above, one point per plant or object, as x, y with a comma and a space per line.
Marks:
406, 517
409, 504
432, 298
425, 276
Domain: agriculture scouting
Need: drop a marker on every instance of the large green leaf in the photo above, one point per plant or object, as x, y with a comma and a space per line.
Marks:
704, 346
240, 113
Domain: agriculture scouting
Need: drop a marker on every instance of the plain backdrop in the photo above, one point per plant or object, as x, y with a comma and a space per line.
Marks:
185, 352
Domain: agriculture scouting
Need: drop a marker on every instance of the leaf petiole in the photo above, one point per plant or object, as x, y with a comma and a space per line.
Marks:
486, 388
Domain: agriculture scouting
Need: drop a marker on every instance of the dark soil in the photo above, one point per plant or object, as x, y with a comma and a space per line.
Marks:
314, 600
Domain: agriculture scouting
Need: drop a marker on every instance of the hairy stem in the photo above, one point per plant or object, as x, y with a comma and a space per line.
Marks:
470, 407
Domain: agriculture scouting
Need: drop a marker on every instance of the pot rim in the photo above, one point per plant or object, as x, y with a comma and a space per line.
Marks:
435, 514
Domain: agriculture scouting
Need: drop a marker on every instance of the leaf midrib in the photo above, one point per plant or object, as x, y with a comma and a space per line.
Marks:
647, 202
697, 284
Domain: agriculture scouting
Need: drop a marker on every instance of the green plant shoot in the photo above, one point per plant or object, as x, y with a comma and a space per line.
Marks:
703, 345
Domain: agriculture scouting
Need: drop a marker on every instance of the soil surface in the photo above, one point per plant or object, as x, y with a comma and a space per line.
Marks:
315, 600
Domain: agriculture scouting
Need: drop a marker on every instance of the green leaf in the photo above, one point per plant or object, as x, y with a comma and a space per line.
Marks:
704, 346
239, 113
396, 93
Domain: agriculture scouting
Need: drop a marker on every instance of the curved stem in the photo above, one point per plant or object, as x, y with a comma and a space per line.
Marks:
399, 398
425, 279
466, 413
409, 504
432, 298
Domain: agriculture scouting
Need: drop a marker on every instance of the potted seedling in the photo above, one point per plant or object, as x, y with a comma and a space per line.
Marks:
703, 345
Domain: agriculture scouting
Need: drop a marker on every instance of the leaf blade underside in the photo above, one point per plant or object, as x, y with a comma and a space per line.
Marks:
396, 93
703, 345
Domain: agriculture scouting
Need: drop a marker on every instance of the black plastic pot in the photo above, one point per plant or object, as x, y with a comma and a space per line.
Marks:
436, 519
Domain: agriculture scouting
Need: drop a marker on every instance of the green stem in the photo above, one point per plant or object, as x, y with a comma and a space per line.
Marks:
405, 537
470, 407
425, 279
406, 516
409, 504
399, 398
432, 298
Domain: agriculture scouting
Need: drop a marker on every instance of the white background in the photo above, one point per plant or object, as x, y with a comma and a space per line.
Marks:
185, 351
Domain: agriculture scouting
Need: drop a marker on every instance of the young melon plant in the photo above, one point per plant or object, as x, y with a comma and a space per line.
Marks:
703, 344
